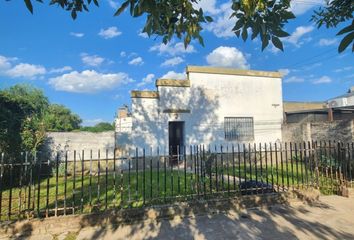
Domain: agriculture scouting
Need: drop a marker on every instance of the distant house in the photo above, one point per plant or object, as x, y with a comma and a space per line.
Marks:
211, 106
337, 108
344, 100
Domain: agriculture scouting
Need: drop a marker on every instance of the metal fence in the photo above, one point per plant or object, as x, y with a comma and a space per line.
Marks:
42, 185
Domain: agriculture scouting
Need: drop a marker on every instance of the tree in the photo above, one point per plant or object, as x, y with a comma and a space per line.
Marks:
182, 18
99, 127
25, 117
59, 118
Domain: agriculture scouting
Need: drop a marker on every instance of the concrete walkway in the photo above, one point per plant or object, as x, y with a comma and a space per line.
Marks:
331, 218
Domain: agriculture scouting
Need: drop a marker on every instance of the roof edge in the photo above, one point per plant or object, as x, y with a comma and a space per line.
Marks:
144, 94
233, 71
172, 82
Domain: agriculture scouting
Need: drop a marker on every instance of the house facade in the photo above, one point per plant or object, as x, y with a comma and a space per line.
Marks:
211, 106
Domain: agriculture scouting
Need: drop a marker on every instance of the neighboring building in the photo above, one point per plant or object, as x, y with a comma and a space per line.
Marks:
338, 108
342, 100
123, 121
212, 106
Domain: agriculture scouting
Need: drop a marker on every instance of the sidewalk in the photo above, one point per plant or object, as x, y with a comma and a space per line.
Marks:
331, 218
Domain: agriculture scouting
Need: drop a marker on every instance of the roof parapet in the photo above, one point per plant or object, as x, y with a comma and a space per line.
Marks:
233, 71
144, 94
172, 83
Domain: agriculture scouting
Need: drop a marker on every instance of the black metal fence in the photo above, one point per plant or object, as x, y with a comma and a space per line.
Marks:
42, 185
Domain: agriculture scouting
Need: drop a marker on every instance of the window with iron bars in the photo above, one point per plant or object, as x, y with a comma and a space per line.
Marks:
239, 128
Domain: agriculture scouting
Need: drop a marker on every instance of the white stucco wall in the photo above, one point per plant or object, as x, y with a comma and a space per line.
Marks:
210, 98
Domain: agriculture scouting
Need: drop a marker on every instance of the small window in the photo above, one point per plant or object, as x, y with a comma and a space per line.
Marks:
239, 128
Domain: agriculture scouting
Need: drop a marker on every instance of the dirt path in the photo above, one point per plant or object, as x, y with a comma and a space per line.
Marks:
331, 218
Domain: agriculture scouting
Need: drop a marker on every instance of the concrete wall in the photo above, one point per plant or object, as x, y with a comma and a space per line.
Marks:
320, 131
70, 141
209, 99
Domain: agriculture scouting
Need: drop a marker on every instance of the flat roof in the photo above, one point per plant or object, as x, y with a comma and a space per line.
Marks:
144, 94
172, 83
233, 71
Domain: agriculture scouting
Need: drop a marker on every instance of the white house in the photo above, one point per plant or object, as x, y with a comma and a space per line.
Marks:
212, 106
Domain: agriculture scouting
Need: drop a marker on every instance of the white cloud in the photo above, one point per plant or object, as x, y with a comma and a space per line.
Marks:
61, 70
26, 70
222, 24
88, 81
294, 79
5, 62
174, 75
113, 4
299, 7
172, 50
296, 36
343, 69
227, 57
136, 61
324, 79
208, 6
91, 60
147, 80
143, 34
327, 42
77, 34
172, 62
123, 54
284, 71
110, 32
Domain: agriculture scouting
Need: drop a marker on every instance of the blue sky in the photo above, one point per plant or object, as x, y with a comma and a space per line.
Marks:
91, 64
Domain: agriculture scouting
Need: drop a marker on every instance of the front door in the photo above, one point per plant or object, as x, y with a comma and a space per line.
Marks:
175, 137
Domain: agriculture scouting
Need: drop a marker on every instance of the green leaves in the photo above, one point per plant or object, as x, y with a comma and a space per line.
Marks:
334, 13
29, 5
264, 18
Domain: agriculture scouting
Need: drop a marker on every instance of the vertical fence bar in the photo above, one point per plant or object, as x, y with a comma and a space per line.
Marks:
20, 185
228, 168
65, 179
310, 157
90, 181
261, 165
30, 181
292, 165
1, 181
301, 164
143, 176
255, 166
233, 166
129, 180
136, 174
216, 170
306, 165
47, 192
204, 170
122, 180
165, 175
56, 183
222, 168
266, 164
282, 166
297, 166
271, 164
114, 177
239, 166
178, 177
151, 156
249, 159
185, 170
171, 170
244, 164
98, 178
82, 181
74, 183
106, 183
38, 186
276, 164
195, 168
158, 172
287, 166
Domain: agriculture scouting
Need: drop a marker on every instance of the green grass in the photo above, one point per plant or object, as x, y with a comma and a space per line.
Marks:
96, 193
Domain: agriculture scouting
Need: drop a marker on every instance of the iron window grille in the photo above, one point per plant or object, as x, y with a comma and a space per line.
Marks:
239, 128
